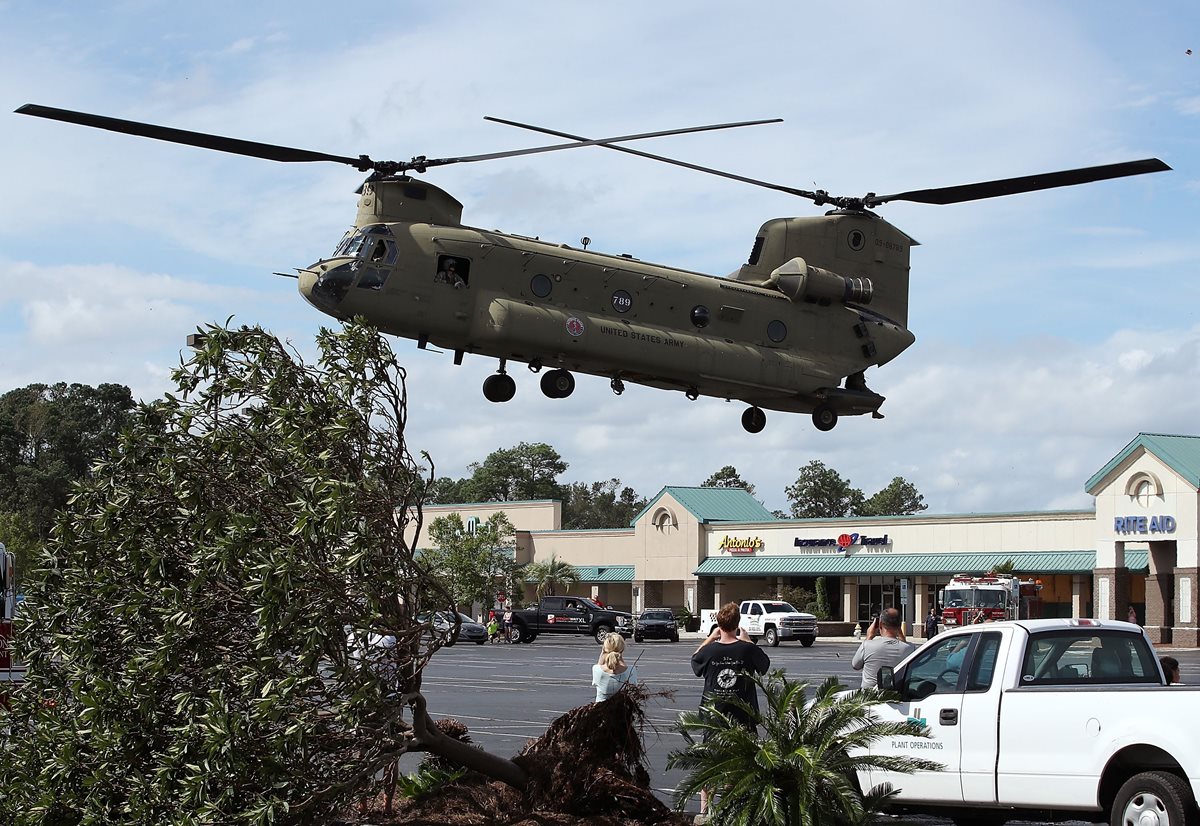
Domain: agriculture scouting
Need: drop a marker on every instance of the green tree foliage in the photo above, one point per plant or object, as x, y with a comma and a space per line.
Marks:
801, 768
531, 471
527, 471
821, 492
225, 626
600, 505
898, 498
728, 477
551, 576
50, 434
472, 564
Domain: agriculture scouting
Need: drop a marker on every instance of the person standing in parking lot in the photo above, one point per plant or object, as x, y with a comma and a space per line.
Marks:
508, 625
884, 645
611, 673
726, 660
931, 624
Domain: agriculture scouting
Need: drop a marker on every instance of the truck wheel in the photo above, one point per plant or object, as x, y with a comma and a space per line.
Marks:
771, 636
1152, 797
602, 631
518, 633
807, 642
637, 637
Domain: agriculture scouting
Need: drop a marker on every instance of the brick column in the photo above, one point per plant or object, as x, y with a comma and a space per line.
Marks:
1112, 593
1081, 596
1185, 631
638, 595
1160, 590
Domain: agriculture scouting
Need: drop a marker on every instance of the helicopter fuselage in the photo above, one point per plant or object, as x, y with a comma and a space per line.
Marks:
779, 345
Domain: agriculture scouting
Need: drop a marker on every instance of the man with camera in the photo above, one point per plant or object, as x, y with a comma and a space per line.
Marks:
884, 645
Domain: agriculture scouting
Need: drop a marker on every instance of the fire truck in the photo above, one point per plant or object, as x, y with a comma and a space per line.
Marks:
969, 599
10, 672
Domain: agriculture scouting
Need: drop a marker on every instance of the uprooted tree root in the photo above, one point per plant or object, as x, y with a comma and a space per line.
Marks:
588, 768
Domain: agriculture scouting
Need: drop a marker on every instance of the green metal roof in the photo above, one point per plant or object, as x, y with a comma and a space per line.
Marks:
714, 504
602, 573
1026, 562
1180, 453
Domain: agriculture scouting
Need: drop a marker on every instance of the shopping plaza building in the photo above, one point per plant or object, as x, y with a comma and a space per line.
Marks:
701, 547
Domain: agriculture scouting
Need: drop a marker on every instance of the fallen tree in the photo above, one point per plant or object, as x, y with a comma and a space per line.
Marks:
224, 629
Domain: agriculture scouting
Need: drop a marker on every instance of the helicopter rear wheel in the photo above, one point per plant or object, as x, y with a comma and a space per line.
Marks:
753, 419
499, 387
558, 384
825, 418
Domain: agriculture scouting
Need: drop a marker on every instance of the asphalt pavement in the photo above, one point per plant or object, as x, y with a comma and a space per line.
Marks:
509, 694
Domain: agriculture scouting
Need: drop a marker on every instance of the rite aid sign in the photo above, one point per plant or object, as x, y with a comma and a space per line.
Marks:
1144, 524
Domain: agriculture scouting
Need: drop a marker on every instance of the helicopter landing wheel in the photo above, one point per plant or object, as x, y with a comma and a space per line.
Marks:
558, 384
824, 417
499, 387
754, 420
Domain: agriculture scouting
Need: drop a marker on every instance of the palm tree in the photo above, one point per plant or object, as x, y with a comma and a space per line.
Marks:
551, 575
803, 770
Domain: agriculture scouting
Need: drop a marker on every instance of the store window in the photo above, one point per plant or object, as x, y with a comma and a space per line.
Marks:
874, 594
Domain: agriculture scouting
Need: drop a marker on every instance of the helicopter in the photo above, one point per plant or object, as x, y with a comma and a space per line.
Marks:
819, 300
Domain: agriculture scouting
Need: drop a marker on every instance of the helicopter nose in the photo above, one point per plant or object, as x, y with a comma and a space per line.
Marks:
324, 285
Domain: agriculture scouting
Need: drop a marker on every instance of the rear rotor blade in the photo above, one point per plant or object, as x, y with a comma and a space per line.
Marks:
607, 144
270, 152
1028, 183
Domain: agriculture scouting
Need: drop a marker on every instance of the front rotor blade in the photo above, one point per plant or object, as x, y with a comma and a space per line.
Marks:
608, 144
1028, 183
580, 141
235, 146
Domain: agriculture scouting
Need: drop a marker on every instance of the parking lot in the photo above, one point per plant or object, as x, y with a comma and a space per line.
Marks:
507, 694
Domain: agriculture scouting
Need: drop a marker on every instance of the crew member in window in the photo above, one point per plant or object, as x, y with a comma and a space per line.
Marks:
448, 274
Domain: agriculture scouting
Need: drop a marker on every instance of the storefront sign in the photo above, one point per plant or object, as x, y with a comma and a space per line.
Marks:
740, 545
845, 540
1144, 524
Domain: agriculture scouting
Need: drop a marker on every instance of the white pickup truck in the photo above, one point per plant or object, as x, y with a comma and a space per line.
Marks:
771, 619
1058, 719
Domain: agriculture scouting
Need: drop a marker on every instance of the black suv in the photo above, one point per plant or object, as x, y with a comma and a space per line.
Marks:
656, 624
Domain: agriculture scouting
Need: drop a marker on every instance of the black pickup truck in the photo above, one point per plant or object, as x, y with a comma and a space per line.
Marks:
569, 615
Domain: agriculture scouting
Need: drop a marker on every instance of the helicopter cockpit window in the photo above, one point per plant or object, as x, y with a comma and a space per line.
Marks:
453, 270
700, 315
373, 243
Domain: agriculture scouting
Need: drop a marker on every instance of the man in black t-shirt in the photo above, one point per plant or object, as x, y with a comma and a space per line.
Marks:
725, 660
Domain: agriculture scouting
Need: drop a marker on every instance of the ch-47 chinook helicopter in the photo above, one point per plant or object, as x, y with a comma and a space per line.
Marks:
819, 301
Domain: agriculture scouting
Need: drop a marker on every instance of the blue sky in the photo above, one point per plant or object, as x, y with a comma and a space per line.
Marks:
1051, 327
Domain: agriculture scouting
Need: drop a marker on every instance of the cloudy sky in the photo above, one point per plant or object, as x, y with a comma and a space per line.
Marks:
1051, 327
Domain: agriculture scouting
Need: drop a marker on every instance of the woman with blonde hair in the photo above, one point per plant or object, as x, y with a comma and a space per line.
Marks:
612, 672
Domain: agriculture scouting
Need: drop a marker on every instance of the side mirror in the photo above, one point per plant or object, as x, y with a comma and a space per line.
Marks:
887, 678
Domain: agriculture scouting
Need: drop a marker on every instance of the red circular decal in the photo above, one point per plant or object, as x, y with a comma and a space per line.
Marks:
574, 326
845, 540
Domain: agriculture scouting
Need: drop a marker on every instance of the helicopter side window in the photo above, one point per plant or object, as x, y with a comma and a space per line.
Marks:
453, 270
